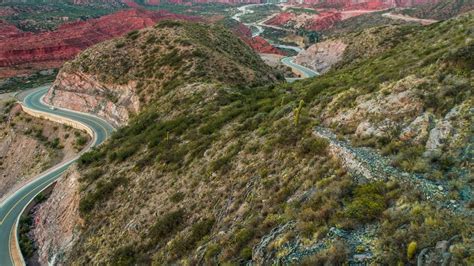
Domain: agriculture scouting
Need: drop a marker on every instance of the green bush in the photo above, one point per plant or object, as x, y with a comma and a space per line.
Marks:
81, 140
246, 253
411, 250
177, 197
26, 244
55, 144
102, 191
212, 251
93, 174
199, 230
167, 225
243, 236
124, 256
367, 203
314, 146
90, 157
125, 152
133, 35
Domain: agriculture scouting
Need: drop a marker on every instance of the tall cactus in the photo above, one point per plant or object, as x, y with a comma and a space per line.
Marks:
297, 112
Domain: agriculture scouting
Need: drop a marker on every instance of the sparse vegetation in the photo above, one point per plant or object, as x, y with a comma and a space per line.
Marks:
213, 166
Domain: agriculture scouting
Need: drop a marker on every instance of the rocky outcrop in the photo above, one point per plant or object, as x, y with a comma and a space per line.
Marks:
324, 21
7, 30
53, 48
258, 44
370, 113
81, 92
321, 21
57, 220
261, 45
322, 56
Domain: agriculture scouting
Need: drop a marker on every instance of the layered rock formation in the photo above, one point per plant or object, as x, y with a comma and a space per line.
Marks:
258, 44
321, 21
7, 30
322, 56
51, 49
349, 48
57, 220
83, 86
82, 92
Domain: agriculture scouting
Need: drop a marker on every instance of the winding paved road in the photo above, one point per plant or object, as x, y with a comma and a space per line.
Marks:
305, 72
12, 207
288, 61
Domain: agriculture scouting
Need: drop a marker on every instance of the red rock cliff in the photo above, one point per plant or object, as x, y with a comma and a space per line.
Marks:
51, 49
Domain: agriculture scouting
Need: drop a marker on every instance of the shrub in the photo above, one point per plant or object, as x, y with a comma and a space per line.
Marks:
314, 146
368, 202
212, 251
81, 140
411, 250
125, 255
90, 157
167, 225
243, 236
177, 197
198, 231
246, 253
26, 244
133, 35
102, 192
92, 174
55, 144
125, 152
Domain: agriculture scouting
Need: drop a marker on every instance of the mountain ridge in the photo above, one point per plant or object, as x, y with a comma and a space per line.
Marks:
209, 173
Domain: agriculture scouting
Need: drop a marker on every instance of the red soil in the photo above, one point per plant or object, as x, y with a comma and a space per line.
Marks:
50, 49
258, 44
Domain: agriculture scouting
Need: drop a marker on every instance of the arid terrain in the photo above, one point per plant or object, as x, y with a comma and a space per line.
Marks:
29, 146
306, 132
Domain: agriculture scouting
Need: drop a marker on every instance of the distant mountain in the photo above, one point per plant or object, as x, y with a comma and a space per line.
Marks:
36, 51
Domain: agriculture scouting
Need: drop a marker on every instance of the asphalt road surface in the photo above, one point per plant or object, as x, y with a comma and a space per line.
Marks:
12, 207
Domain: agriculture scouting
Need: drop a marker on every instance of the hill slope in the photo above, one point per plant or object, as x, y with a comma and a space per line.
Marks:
441, 10
207, 174
116, 78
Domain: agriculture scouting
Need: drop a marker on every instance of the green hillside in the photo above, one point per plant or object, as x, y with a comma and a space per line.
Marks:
367, 163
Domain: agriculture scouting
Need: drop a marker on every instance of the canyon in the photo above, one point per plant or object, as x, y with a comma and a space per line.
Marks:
21, 50
26, 52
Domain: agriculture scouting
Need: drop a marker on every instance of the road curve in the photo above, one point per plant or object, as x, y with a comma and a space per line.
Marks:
305, 72
13, 206
288, 61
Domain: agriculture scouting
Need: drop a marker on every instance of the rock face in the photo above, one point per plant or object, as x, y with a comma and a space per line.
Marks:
53, 48
322, 56
7, 30
81, 92
56, 221
258, 44
321, 21
377, 116
117, 92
